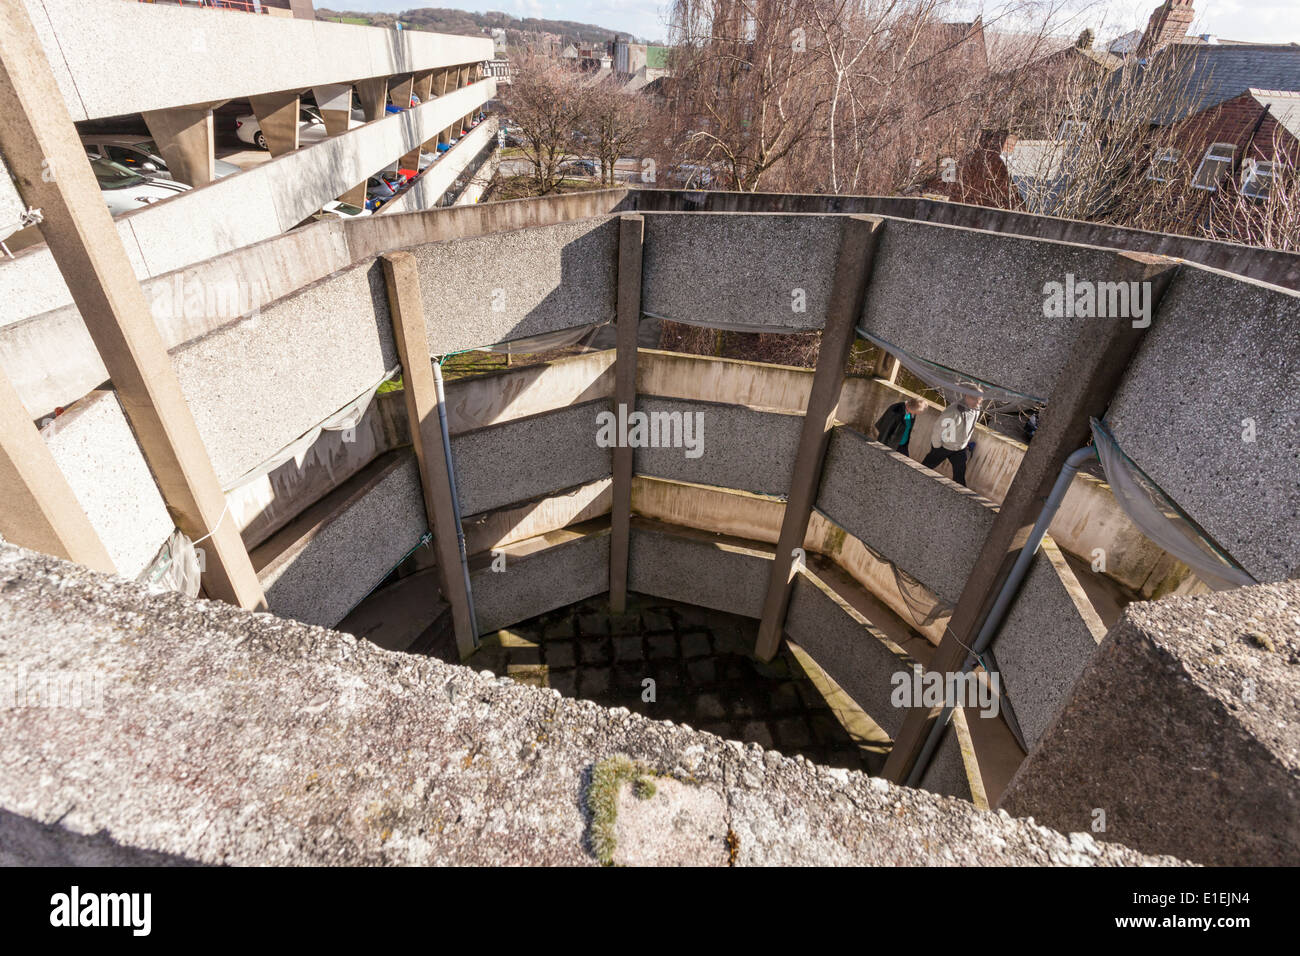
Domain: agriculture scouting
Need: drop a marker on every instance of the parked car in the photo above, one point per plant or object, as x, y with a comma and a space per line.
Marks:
580, 167
140, 155
381, 188
125, 190
341, 210
311, 128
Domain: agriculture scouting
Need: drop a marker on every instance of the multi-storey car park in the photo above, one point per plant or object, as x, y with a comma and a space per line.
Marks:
448, 623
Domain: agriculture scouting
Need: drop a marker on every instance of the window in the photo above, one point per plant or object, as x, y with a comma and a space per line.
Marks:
1256, 179
1216, 164
1071, 129
1164, 163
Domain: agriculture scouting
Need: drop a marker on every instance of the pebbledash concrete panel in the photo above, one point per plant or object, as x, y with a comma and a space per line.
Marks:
96, 450
529, 457
1046, 640
495, 288
1185, 730
947, 774
930, 527
733, 446
973, 301
256, 385
695, 570
376, 726
1209, 408
769, 271
847, 649
558, 576
321, 571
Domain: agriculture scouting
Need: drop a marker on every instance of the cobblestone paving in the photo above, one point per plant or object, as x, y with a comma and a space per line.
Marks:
700, 666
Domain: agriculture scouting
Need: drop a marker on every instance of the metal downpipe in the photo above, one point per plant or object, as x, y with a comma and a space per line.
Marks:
455, 495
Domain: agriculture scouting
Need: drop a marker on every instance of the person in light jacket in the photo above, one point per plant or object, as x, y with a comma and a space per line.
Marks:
950, 438
895, 426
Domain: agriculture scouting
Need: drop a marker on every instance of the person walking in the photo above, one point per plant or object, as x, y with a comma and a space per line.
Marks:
895, 426
951, 436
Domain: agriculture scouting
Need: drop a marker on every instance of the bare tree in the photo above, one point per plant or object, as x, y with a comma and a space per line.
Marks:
615, 123
547, 104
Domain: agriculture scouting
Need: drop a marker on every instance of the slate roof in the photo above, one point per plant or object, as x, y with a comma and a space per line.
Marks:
1214, 73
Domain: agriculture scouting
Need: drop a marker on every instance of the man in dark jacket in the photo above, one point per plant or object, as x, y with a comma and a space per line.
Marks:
895, 426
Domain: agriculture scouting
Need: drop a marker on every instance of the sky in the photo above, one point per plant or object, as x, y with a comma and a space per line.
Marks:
1270, 21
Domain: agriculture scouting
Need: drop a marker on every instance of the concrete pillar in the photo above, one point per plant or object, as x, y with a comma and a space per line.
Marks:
631, 237
848, 292
185, 138
399, 90
37, 135
407, 308
40, 511
373, 94
1098, 359
277, 115
422, 87
334, 100
886, 366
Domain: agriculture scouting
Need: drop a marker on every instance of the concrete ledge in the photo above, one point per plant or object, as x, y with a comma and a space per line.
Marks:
529, 457
317, 568
742, 448
495, 398
316, 748
696, 568
1184, 729
748, 269
431, 184
929, 526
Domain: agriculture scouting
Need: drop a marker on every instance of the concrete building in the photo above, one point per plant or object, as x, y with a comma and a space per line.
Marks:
240, 446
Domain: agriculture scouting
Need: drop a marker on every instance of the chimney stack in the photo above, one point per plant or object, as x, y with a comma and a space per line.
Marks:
1168, 24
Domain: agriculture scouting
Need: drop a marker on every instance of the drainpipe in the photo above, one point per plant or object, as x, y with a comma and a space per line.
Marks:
455, 496
1008, 593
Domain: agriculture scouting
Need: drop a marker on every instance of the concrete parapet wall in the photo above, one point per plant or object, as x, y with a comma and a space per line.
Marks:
1209, 408
1049, 635
738, 447
705, 570
487, 289
529, 457
256, 385
320, 566
930, 527
747, 269
1184, 728
311, 700
847, 648
973, 301
499, 397
573, 569
111, 59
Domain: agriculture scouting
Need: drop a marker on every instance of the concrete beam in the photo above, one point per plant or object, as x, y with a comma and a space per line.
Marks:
334, 100
422, 88
277, 115
631, 238
852, 269
40, 511
37, 134
185, 138
1093, 369
406, 305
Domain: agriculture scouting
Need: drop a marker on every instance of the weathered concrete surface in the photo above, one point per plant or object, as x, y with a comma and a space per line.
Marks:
317, 568
695, 568
256, 385
487, 289
497, 397
720, 270
1185, 729
987, 318
930, 527
847, 648
572, 570
1047, 638
232, 738
1210, 410
947, 774
94, 447
529, 457
739, 447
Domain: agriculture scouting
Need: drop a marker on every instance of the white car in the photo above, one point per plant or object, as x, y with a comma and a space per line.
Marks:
140, 155
340, 210
124, 190
311, 128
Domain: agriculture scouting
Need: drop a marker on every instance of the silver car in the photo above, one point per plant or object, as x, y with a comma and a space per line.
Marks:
140, 155
124, 190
